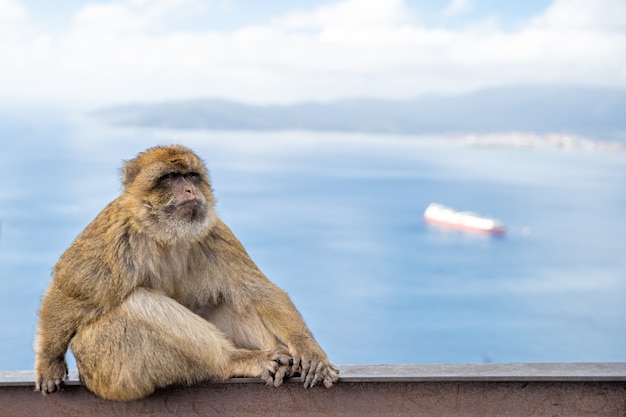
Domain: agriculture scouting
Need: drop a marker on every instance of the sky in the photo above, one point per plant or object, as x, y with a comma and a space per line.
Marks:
95, 53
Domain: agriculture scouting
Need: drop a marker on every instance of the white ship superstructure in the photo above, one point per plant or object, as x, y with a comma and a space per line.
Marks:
445, 216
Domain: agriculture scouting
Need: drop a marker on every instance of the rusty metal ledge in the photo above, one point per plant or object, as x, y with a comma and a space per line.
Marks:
509, 372
564, 389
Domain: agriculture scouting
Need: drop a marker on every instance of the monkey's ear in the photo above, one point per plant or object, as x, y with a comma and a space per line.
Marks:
129, 172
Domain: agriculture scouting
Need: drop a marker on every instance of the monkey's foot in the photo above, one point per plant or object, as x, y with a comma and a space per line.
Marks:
277, 368
272, 366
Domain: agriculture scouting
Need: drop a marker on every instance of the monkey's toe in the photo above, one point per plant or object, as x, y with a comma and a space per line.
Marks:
281, 374
285, 360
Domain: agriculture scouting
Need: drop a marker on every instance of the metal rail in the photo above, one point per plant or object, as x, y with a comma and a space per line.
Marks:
568, 389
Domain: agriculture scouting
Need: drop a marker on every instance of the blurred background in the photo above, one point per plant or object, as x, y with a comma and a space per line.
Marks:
329, 127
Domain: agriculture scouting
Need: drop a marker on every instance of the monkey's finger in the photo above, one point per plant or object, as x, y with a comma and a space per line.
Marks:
304, 370
332, 376
311, 377
296, 363
320, 374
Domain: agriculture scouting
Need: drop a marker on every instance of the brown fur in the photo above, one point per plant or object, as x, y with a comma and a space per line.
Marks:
157, 290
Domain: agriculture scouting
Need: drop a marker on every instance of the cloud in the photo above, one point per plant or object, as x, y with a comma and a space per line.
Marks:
132, 16
12, 16
584, 15
351, 14
11, 10
127, 51
457, 7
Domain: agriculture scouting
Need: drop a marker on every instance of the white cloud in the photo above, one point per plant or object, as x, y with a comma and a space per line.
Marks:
457, 7
124, 51
12, 16
354, 14
131, 16
110, 18
11, 10
584, 15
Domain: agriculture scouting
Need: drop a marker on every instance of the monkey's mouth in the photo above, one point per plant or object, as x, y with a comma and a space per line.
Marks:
191, 209
194, 202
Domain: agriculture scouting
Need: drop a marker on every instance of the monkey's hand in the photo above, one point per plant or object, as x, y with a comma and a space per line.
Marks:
50, 375
314, 367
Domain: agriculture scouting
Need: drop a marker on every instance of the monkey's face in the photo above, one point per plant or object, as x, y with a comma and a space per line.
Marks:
173, 187
179, 194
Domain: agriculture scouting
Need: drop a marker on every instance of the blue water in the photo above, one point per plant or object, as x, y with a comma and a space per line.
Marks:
336, 220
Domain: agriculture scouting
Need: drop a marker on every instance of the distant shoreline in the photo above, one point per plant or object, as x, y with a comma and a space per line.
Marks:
522, 140
530, 117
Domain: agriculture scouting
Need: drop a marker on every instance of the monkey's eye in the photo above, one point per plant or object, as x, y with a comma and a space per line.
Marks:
168, 177
191, 176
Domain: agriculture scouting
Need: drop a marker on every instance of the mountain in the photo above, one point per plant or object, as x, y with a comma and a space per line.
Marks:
575, 110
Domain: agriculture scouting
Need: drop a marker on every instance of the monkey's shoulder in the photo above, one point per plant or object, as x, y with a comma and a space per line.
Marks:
100, 256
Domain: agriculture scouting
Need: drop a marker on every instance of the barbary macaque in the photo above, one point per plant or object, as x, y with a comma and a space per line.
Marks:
158, 291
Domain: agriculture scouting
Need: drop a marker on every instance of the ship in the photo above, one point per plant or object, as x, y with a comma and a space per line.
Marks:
463, 220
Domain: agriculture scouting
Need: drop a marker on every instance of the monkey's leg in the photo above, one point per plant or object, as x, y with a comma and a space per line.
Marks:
151, 341
247, 330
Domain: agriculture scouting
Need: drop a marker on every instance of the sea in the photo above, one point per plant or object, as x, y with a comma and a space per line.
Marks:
336, 219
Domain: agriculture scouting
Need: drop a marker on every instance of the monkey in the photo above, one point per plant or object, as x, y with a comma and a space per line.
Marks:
157, 291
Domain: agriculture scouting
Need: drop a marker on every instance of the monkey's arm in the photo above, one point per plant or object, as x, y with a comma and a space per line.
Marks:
285, 322
57, 325
276, 310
